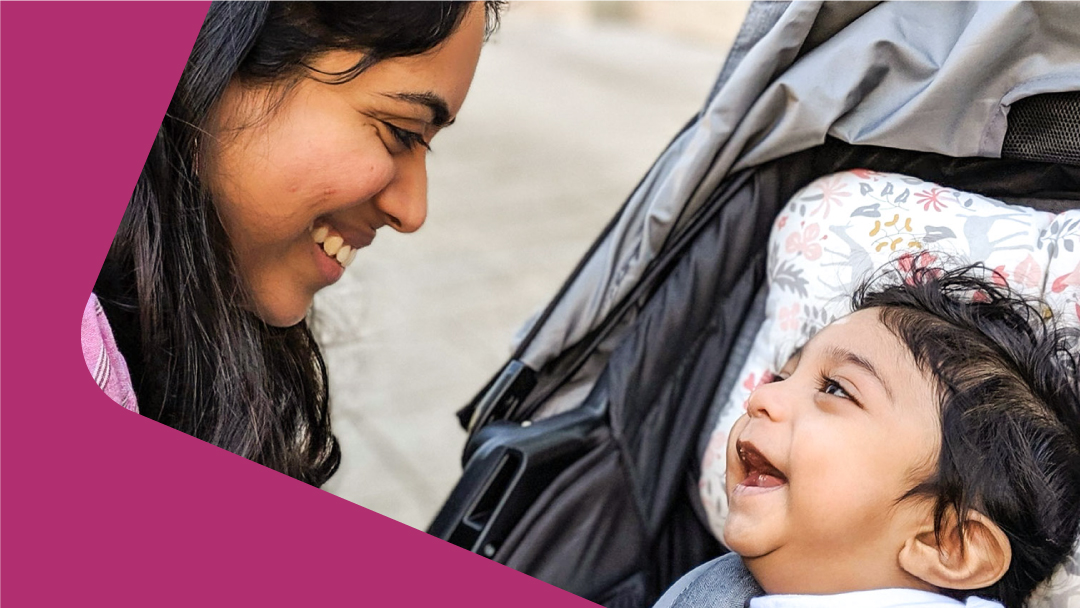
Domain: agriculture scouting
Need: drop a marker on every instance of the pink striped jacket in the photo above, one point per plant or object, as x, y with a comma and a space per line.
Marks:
103, 358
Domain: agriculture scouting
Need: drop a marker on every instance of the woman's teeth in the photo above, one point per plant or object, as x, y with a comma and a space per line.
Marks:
334, 246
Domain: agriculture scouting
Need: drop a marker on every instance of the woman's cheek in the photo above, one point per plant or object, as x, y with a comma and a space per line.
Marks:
372, 163
349, 173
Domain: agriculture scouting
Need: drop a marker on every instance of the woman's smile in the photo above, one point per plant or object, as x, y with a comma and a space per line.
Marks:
335, 249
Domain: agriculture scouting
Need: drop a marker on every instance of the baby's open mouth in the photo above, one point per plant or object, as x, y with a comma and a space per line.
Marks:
760, 473
333, 245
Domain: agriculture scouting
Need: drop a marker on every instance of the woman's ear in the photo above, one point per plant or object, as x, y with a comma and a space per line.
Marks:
947, 561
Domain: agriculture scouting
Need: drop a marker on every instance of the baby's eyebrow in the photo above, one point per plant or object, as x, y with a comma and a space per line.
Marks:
842, 355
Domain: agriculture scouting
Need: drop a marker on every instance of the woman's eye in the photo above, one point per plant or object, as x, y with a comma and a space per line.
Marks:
410, 139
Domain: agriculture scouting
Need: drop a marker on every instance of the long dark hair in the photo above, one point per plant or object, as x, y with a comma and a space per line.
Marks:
200, 361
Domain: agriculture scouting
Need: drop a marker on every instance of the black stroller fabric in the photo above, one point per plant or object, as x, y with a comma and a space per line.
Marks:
584, 452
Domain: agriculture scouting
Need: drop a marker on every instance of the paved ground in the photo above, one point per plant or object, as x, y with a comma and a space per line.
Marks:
561, 123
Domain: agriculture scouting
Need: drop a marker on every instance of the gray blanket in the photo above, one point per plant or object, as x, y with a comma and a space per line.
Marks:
722, 583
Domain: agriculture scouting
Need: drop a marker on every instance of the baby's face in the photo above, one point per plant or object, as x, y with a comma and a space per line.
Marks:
817, 466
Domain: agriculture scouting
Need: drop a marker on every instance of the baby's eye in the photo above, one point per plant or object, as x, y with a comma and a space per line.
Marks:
832, 387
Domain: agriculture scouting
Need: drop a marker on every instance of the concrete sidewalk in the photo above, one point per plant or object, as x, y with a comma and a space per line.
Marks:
561, 123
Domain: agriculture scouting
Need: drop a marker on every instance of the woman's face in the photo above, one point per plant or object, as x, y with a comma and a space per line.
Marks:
302, 186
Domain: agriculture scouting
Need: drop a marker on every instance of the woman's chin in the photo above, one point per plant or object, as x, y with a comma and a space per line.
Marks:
284, 321
278, 314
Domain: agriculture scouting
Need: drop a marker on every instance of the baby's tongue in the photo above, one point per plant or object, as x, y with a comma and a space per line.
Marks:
762, 480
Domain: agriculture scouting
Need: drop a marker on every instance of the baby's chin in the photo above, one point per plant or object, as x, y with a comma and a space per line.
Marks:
745, 537
763, 562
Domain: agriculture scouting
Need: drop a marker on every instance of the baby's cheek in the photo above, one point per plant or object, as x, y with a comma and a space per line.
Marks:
840, 500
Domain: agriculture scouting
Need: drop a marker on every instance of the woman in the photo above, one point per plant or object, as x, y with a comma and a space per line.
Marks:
296, 131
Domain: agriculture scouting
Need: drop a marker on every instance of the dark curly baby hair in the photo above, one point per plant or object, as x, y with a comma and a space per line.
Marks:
1007, 378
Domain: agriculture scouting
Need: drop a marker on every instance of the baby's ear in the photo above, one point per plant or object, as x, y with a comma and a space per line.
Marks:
946, 561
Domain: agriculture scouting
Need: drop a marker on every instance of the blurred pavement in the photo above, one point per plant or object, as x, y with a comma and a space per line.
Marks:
563, 119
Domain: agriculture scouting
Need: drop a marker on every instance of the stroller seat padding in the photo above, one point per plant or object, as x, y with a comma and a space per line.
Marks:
721, 583
840, 230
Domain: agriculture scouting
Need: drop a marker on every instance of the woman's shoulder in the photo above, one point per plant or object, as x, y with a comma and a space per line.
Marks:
103, 358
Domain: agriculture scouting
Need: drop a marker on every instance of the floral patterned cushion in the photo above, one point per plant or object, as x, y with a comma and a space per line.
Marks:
840, 229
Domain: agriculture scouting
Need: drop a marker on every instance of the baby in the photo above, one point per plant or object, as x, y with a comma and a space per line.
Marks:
923, 450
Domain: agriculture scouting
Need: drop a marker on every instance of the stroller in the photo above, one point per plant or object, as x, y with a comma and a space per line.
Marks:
585, 450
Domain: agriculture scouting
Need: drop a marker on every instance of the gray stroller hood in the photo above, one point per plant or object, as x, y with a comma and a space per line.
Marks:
581, 466
927, 77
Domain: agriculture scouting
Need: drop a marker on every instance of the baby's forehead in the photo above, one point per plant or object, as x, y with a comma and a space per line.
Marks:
862, 333
863, 342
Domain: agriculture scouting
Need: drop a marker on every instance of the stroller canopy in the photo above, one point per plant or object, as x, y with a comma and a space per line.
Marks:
927, 77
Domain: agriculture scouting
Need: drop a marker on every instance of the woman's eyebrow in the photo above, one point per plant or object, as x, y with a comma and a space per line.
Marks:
842, 355
440, 111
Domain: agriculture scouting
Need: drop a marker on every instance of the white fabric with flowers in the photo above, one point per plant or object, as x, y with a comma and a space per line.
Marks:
841, 229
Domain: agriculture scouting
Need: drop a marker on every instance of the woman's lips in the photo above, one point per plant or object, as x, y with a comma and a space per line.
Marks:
339, 246
329, 268
333, 245
335, 249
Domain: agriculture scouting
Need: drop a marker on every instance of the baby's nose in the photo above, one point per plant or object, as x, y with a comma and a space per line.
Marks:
767, 401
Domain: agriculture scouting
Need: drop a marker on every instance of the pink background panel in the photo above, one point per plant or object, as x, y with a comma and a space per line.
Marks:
100, 506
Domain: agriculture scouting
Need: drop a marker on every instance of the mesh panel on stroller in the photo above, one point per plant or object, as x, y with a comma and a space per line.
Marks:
584, 455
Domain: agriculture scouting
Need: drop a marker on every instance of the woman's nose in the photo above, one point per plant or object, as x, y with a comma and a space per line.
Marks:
403, 202
768, 401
